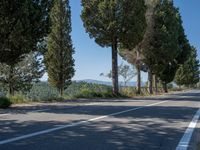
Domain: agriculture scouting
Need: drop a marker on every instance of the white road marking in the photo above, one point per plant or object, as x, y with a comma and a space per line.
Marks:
73, 124
3, 115
185, 140
90, 104
40, 110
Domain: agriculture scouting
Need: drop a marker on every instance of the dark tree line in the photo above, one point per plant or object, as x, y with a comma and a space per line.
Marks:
149, 34
25, 28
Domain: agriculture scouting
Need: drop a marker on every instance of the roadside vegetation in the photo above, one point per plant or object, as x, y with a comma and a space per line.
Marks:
35, 38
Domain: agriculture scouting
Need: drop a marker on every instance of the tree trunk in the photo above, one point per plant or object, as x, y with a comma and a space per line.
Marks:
61, 90
10, 84
150, 84
165, 88
138, 79
115, 68
156, 84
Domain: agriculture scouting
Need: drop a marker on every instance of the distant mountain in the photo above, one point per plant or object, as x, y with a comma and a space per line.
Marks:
107, 82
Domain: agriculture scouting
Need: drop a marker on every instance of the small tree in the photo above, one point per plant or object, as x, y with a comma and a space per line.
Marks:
23, 75
59, 60
114, 22
125, 71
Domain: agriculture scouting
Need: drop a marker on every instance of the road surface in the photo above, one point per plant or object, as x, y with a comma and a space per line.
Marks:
154, 123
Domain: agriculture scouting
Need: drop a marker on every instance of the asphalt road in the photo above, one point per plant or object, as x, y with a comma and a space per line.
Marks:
156, 123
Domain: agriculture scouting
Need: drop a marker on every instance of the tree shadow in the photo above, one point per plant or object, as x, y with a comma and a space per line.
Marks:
156, 128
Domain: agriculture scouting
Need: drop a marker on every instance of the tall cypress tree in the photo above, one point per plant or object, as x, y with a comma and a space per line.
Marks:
114, 22
59, 60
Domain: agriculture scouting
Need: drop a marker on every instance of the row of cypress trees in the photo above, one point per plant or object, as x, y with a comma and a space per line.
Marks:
147, 33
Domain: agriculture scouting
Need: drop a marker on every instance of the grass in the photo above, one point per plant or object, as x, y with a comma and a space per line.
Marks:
43, 92
85, 93
18, 99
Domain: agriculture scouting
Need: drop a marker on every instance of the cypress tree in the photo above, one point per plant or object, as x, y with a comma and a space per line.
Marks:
167, 43
114, 22
188, 73
59, 60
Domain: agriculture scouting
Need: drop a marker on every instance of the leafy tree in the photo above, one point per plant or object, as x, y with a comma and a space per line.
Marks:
59, 60
167, 44
125, 71
114, 22
23, 75
108, 75
135, 56
188, 73
23, 24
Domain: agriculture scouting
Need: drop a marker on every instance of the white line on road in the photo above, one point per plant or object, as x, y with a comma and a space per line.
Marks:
40, 110
74, 124
185, 140
3, 115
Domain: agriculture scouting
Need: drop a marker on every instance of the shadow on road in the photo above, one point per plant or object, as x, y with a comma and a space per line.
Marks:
152, 129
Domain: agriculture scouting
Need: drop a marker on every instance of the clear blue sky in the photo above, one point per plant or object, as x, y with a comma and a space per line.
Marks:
91, 59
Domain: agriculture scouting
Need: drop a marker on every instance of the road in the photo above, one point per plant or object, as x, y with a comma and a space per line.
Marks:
154, 123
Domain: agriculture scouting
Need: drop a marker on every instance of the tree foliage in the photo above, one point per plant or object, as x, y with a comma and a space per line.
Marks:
22, 76
188, 73
59, 60
23, 23
168, 46
127, 73
111, 22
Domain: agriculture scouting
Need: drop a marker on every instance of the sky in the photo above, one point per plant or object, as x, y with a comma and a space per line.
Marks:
91, 59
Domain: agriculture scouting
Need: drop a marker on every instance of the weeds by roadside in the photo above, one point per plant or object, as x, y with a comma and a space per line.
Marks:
43, 92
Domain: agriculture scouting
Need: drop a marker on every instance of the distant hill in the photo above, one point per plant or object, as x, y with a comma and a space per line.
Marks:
107, 82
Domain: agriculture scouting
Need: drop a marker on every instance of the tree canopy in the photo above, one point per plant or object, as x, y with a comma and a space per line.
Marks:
114, 22
188, 73
23, 24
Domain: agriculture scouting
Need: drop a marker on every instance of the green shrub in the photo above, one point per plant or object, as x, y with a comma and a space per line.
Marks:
18, 99
42, 91
85, 93
128, 91
5, 102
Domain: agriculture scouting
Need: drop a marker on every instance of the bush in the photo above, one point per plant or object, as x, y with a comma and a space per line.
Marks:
5, 102
18, 99
129, 91
42, 92
85, 93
